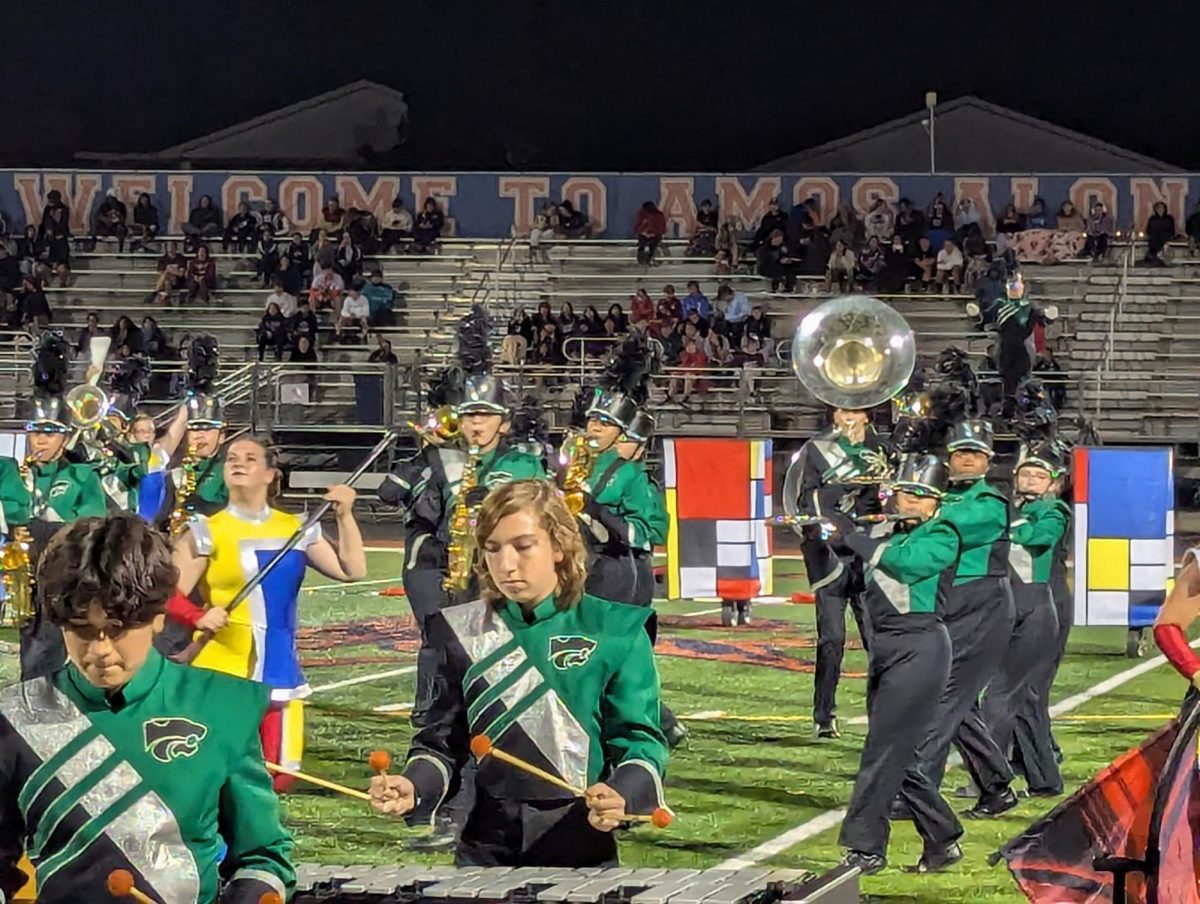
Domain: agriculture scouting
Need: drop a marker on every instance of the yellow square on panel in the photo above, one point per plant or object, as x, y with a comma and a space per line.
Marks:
671, 499
1107, 564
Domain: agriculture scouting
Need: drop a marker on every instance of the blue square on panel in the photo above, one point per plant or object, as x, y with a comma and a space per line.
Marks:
1129, 493
1144, 606
759, 497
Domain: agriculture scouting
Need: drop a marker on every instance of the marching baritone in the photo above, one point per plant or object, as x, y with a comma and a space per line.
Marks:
548, 674
120, 759
833, 472
909, 655
220, 553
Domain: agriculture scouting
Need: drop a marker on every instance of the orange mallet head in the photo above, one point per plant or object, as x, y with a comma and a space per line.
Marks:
270, 897
661, 818
379, 761
120, 883
481, 746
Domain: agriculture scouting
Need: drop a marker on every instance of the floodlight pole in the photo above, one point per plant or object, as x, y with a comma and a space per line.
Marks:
930, 104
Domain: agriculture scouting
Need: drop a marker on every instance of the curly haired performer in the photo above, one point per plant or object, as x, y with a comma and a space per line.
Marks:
560, 679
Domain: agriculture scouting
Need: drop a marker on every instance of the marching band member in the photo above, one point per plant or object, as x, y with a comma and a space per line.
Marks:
199, 428
220, 553
561, 679
909, 655
121, 759
831, 473
1016, 705
978, 615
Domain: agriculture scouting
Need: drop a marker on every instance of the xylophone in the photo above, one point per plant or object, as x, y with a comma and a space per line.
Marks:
526, 885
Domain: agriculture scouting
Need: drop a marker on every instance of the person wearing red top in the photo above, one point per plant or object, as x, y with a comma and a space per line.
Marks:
691, 360
650, 226
641, 307
202, 275
669, 311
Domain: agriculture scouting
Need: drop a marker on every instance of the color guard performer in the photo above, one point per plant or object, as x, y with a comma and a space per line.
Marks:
122, 760
544, 672
909, 655
837, 470
220, 553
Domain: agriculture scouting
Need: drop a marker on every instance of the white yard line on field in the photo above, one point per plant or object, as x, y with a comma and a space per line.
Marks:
831, 818
364, 679
346, 585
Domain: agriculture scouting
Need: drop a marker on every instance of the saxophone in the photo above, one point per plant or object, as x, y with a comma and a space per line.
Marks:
579, 455
462, 523
181, 513
15, 561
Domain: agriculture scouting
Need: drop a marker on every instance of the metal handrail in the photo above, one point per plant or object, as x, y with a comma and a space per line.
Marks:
1116, 307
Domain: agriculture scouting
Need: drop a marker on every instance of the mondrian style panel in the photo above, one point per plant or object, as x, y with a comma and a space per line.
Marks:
1124, 527
718, 495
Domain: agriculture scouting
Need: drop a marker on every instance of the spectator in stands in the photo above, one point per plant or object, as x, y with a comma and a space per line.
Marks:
382, 353
545, 227
572, 223
521, 324
1191, 229
773, 219
695, 300
300, 255
735, 309
990, 292
1160, 229
348, 259
1037, 218
428, 228
241, 232
54, 241
976, 255
3, 227
592, 327
272, 216
1069, 219
704, 239
356, 311
397, 227
846, 227
617, 316
717, 349
949, 267
10, 270
543, 316
729, 244
548, 348
668, 312
332, 223
840, 270
303, 352
29, 253
83, 341
641, 307
272, 331
172, 274
692, 361
381, 298
111, 219
924, 260
758, 327
870, 264
519, 337
879, 222
326, 289
281, 298
910, 223
289, 276
32, 309
303, 324
938, 222
751, 361
204, 222
155, 343
125, 335
568, 323
363, 230
144, 228
965, 216
201, 276
267, 250
776, 263
649, 227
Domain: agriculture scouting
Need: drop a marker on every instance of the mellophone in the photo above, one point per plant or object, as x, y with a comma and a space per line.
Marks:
615, 885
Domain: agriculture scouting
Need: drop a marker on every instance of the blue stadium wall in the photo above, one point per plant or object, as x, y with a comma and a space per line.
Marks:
496, 204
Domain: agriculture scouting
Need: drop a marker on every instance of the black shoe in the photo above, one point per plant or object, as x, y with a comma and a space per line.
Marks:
727, 615
992, 805
743, 613
967, 792
936, 859
1040, 792
676, 734
898, 810
828, 729
867, 864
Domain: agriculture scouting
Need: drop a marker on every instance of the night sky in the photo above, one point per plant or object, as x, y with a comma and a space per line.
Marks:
540, 85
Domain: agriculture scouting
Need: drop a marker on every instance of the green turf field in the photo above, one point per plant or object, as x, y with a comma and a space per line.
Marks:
737, 782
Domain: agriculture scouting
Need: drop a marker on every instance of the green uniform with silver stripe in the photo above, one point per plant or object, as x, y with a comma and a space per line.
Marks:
164, 779
1037, 530
64, 492
15, 500
573, 691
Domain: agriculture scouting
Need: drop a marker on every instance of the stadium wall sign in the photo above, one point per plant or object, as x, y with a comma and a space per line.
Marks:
499, 204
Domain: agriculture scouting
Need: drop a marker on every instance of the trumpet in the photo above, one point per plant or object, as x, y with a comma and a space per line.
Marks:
577, 456
442, 423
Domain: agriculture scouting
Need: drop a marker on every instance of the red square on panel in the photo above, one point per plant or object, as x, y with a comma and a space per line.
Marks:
1079, 475
713, 478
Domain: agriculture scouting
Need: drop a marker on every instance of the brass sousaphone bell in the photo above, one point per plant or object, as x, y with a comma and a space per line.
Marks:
853, 352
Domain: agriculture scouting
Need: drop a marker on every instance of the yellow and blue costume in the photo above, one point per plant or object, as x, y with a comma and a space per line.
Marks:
259, 642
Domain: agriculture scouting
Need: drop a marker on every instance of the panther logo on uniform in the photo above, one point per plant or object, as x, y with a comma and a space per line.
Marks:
59, 489
171, 739
567, 651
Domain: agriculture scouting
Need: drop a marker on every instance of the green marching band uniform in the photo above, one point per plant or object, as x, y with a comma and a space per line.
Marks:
205, 412
157, 780
1016, 705
573, 691
910, 651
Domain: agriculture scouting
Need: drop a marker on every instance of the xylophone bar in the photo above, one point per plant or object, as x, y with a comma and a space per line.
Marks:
545, 885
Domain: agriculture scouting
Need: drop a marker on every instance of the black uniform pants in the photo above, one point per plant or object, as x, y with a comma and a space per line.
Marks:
906, 674
1064, 606
42, 648
506, 832
832, 599
1011, 704
643, 563
613, 576
426, 597
979, 620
